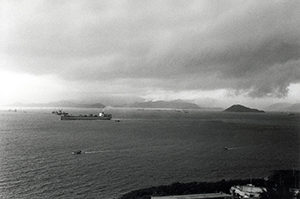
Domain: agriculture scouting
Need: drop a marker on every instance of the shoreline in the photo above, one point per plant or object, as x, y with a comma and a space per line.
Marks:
273, 183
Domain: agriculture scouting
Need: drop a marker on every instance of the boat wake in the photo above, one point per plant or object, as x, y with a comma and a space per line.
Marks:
239, 148
123, 150
107, 151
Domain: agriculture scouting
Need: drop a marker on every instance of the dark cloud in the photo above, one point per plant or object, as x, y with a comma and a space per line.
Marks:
251, 47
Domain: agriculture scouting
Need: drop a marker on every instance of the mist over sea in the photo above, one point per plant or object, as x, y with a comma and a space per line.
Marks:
146, 148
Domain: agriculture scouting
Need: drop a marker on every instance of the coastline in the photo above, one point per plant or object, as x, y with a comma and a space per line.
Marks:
273, 183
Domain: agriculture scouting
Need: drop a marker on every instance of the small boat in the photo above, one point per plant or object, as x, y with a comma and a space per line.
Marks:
77, 152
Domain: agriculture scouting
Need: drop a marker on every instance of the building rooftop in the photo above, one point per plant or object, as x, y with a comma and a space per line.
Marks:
196, 196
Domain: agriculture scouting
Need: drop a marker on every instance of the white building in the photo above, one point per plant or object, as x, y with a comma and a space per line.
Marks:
196, 196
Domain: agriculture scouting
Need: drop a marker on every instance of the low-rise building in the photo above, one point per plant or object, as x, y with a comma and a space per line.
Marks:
196, 196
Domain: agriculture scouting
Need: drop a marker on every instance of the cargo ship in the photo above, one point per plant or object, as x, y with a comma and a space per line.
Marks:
101, 116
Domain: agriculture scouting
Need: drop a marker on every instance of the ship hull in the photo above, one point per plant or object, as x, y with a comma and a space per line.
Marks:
83, 118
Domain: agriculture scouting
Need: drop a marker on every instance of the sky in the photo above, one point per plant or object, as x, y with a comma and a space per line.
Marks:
211, 52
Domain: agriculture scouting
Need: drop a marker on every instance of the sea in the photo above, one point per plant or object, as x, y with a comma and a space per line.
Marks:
138, 148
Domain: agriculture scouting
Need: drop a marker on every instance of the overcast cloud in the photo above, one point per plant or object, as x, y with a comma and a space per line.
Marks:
247, 47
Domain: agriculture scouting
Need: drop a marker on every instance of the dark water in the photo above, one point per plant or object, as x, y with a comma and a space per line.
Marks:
146, 148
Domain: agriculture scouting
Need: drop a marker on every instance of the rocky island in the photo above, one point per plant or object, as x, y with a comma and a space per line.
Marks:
240, 108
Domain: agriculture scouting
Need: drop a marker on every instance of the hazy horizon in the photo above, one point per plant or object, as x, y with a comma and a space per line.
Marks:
210, 52
204, 104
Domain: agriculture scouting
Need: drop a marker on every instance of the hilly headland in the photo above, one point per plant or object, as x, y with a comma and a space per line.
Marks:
241, 108
174, 104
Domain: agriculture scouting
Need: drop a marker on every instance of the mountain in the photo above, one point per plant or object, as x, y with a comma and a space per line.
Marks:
60, 104
205, 102
284, 107
110, 100
240, 108
176, 104
294, 108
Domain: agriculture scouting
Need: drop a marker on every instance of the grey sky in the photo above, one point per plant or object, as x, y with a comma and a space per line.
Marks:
248, 48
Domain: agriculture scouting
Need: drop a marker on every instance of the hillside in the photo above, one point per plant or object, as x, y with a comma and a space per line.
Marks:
284, 107
176, 104
240, 108
294, 108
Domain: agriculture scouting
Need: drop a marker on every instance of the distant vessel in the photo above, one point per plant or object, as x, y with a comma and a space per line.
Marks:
101, 116
77, 152
59, 112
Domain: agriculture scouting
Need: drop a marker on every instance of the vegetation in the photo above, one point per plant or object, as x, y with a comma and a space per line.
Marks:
278, 184
188, 188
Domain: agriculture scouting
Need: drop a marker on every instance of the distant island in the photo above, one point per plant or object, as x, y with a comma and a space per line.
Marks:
176, 104
283, 107
240, 108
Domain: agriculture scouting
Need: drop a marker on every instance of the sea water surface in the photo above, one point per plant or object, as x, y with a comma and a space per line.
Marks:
146, 148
